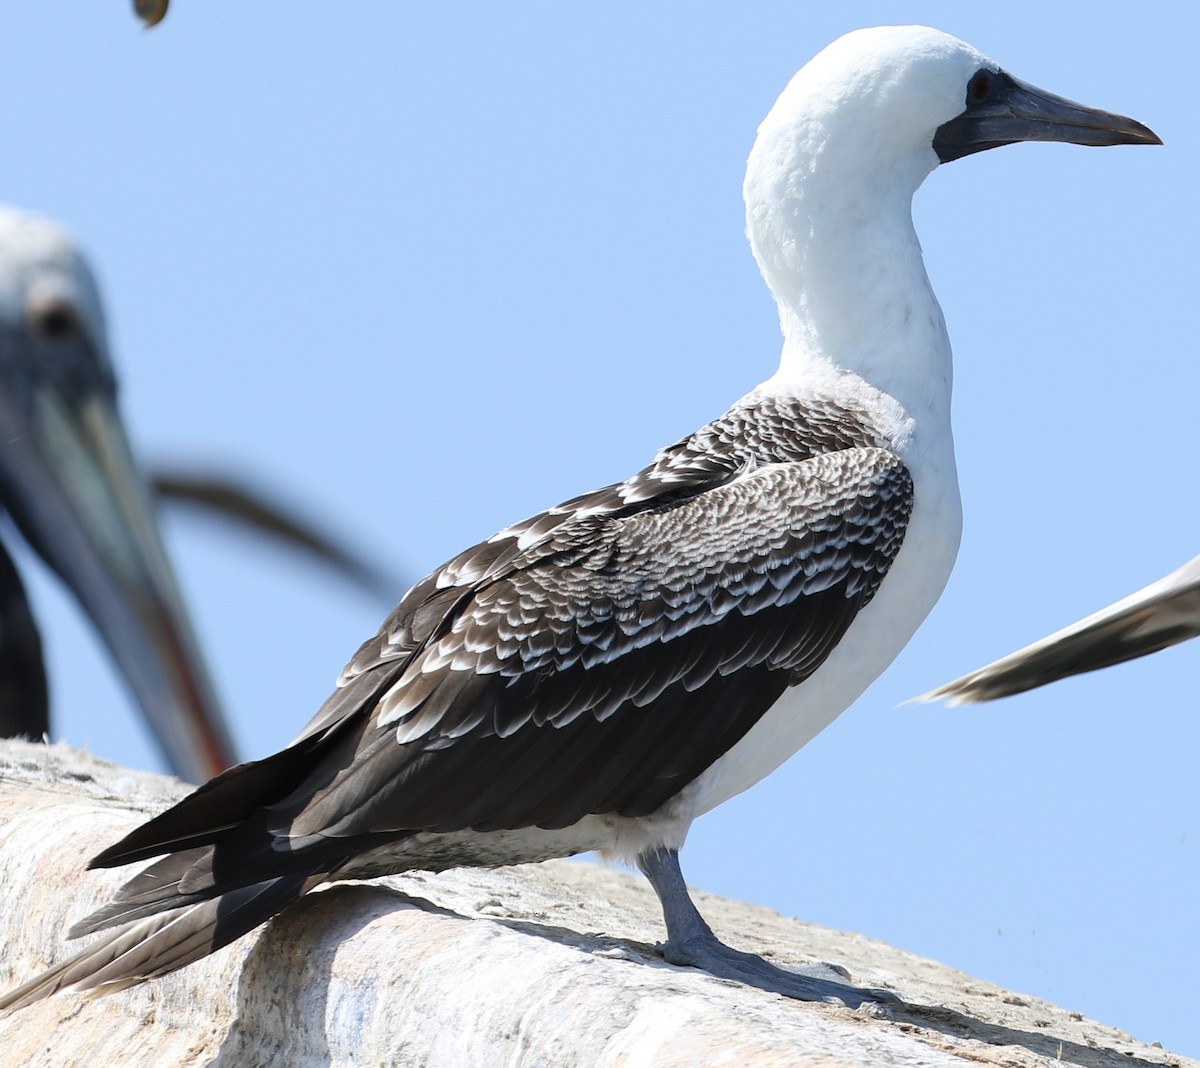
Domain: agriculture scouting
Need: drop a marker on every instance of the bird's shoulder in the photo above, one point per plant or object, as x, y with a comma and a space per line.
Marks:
760, 430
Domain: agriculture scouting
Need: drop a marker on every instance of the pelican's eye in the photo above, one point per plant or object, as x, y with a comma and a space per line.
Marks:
55, 320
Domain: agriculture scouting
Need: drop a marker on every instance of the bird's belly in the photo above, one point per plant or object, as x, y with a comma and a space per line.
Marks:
910, 589
610, 835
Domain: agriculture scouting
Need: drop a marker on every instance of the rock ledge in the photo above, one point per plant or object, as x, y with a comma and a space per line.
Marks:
469, 968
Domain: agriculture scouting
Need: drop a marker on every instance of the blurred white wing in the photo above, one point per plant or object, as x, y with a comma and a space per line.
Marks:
1162, 614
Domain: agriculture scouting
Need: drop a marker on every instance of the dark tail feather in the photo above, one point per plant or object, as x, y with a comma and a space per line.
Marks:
220, 807
154, 890
247, 858
213, 810
162, 944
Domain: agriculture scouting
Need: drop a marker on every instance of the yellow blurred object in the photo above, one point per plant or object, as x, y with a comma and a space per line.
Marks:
151, 12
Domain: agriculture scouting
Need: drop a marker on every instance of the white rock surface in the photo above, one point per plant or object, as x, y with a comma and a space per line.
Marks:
546, 965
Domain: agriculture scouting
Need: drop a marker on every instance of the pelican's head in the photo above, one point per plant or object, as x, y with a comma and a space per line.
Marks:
69, 481
48, 297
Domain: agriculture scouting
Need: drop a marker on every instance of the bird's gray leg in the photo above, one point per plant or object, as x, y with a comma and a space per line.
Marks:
690, 941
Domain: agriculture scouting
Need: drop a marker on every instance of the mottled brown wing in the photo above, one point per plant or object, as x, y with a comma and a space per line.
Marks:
622, 659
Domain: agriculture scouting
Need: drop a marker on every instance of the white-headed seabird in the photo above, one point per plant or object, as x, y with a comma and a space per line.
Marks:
1155, 617
597, 676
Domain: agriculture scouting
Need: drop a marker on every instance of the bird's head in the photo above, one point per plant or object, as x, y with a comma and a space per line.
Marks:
52, 331
857, 130
69, 481
886, 105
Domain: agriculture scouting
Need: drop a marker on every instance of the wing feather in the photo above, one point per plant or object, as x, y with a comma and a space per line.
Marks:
1158, 616
822, 533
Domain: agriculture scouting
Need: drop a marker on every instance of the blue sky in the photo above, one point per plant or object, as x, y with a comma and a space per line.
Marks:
430, 270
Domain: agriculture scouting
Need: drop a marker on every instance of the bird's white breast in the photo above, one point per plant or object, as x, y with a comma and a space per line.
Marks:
907, 594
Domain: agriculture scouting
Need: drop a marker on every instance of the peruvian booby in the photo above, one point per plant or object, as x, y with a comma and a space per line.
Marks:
1157, 616
597, 676
55, 359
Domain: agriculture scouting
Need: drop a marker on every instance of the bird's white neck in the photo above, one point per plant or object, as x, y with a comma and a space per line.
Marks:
842, 259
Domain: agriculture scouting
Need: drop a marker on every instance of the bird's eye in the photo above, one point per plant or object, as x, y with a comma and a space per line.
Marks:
56, 321
979, 88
